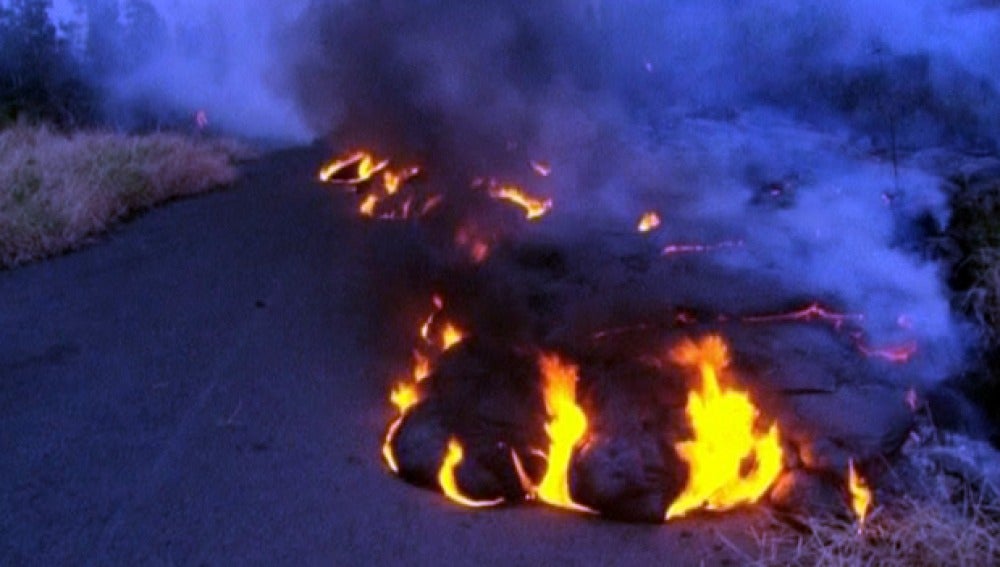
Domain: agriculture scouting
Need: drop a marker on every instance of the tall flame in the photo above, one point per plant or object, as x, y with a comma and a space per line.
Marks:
448, 483
566, 427
861, 495
534, 208
729, 463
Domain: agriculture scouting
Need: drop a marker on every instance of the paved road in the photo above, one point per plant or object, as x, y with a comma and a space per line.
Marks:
194, 388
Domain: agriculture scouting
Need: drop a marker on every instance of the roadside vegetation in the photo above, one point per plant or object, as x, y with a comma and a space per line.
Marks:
56, 190
69, 166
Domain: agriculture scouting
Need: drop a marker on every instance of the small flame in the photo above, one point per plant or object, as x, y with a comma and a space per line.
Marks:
543, 169
861, 495
534, 208
367, 207
451, 336
448, 483
404, 396
650, 221
421, 366
392, 181
366, 168
729, 463
566, 427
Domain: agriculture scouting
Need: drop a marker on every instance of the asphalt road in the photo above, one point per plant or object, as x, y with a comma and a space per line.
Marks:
195, 388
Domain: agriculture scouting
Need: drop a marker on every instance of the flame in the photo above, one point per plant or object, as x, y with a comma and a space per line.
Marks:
861, 495
421, 366
534, 208
366, 168
367, 207
530, 491
650, 221
542, 168
451, 336
392, 181
449, 486
566, 427
404, 396
729, 463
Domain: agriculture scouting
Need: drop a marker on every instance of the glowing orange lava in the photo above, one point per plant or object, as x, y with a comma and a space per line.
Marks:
448, 483
649, 222
404, 396
566, 427
451, 336
861, 496
366, 166
534, 208
729, 462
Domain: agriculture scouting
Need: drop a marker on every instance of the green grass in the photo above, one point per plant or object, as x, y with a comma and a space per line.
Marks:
58, 190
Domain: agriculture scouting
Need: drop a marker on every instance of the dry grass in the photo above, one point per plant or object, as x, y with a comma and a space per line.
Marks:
56, 190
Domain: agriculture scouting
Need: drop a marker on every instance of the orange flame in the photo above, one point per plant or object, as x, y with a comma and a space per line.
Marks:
448, 484
534, 208
566, 427
861, 495
367, 207
421, 366
649, 221
729, 463
451, 336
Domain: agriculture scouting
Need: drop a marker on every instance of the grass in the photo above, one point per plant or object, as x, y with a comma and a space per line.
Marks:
58, 190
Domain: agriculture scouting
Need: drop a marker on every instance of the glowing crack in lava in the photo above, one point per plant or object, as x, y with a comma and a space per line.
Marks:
365, 166
534, 208
448, 483
649, 222
566, 427
861, 495
812, 312
729, 462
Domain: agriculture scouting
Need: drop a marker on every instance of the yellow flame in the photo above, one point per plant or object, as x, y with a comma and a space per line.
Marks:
649, 221
449, 486
404, 396
729, 463
369, 166
861, 495
334, 167
367, 207
534, 208
451, 336
387, 453
566, 427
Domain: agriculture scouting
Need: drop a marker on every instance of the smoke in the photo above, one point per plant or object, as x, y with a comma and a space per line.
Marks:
800, 131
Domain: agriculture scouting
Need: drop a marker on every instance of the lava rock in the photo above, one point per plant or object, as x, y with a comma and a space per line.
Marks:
804, 493
624, 479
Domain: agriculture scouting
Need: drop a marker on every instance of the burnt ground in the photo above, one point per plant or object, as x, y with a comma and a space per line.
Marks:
197, 388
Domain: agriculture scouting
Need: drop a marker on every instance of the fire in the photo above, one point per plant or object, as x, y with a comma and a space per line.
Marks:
451, 336
566, 427
421, 366
404, 396
861, 495
729, 462
649, 221
448, 483
534, 208
367, 207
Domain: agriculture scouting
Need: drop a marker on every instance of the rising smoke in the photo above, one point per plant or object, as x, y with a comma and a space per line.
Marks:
802, 131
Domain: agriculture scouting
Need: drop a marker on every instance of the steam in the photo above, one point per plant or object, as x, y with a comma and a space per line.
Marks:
797, 130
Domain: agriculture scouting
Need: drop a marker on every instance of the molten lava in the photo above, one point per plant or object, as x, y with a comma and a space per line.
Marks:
533, 207
729, 462
365, 166
649, 222
404, 396
450, 336
861, 495
566, 427
448, 483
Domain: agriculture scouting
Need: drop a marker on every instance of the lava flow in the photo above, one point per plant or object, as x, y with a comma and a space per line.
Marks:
566, 427
404, 396
729, 462
448, 483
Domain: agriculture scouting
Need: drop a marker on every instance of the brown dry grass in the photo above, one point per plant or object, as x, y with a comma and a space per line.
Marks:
57, 190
